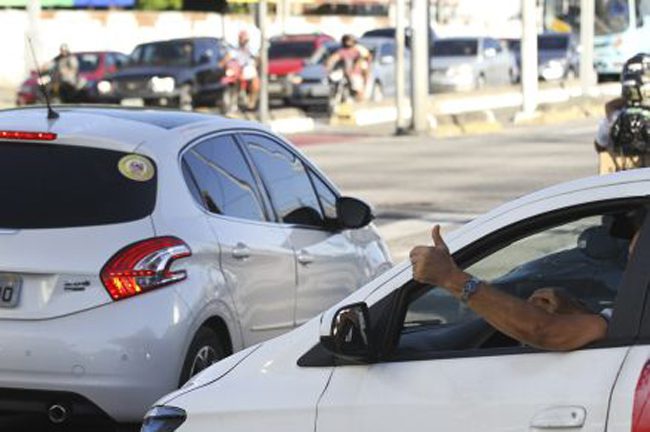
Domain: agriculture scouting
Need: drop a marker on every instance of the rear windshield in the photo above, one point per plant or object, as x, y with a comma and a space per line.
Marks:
55, 186
456, 47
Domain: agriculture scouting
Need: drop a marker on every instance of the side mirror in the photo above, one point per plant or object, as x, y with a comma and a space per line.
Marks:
387, 59
349, 336
353, 213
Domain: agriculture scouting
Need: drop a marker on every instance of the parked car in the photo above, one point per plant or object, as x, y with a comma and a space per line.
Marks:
288, 55
463, 64
180, 73
400, 355
140, 246
93, 68
382, 75
557, 55
311, 88
389, 32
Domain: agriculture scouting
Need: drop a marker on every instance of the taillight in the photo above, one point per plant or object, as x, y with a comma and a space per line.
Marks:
31, 136
641, 415
143, 266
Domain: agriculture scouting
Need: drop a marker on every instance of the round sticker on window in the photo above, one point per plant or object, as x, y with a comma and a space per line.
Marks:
136, 168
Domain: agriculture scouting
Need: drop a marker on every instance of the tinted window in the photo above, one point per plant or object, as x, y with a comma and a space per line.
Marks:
88, 62
177, 53
221, 179
287, 181
553, 42
387, 49
57, 186
326, 197
455, 47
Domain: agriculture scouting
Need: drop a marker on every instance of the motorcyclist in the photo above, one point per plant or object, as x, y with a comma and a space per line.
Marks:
355, 59
247, 63
65, 77
613, 140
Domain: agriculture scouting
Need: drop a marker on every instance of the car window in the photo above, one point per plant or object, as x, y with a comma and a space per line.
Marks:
220, 178
585, 259
326, 197
286, 180
455, 47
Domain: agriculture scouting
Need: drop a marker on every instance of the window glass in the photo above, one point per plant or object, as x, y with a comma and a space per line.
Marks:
584, 259
388, 49
222, 179
60, 186
455, 47
326, 197
286, 179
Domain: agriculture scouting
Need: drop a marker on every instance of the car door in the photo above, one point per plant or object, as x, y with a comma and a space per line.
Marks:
448, 370
327, 260
257, 259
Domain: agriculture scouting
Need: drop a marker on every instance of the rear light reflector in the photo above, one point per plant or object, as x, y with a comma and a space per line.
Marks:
31, 136
641, 410
144, 266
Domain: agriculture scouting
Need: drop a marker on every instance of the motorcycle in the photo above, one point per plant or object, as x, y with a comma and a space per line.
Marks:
340, 88
236, 87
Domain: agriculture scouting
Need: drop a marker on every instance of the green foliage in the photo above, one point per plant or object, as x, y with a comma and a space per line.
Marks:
160, 4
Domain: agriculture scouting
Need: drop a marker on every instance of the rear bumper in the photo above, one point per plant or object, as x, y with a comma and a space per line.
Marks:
120, 357
310, 94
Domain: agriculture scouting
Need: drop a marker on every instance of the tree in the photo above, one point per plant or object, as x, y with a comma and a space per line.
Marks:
220, 6
160, 4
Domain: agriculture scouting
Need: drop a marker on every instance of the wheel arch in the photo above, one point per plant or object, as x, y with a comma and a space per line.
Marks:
219, 326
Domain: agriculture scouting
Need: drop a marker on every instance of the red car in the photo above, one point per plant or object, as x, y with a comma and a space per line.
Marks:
93, 68
287, 57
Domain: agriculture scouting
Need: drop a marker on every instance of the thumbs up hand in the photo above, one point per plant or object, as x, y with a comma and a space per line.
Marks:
434, 265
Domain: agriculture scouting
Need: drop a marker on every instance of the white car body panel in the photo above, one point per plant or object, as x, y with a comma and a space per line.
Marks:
487, 393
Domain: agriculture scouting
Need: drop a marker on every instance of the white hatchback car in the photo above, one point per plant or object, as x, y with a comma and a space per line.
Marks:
398, 355
138, 247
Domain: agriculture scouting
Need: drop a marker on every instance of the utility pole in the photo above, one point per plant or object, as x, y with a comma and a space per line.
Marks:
587, 76
419, 64
529, 73
264, 63
400, 62
33, 18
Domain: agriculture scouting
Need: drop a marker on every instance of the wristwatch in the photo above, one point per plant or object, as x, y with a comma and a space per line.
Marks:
469, 289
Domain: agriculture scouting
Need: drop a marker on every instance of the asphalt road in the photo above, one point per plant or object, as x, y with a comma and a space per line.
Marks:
415, 181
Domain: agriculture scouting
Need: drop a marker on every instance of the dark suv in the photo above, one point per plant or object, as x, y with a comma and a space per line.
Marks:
180, 73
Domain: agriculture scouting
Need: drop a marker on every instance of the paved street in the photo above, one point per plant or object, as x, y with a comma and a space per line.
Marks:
415, 181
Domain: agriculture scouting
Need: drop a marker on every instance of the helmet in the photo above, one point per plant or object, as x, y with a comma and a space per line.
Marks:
635, 80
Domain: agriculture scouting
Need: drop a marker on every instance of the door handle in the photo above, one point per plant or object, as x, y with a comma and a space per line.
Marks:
241, 251
561, 417
305, 258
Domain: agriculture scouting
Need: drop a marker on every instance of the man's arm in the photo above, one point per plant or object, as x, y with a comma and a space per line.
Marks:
523, 321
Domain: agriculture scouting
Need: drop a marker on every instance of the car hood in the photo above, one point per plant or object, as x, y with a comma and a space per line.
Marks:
446, 62
272, 357
285, 66
139, 71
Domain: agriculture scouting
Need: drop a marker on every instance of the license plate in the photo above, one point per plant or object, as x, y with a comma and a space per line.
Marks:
10, 286
132, 102
276, 88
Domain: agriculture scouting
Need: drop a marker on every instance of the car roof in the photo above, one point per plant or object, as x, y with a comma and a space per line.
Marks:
190, 39
118, 128
300, 37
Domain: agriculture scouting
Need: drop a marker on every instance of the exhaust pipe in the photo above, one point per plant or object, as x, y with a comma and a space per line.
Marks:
57, 413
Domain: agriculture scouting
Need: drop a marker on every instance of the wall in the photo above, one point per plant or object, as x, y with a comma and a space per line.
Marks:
122, 30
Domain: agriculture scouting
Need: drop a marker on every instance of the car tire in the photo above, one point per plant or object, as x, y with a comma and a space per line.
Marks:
377, 93
206, 348
185, 98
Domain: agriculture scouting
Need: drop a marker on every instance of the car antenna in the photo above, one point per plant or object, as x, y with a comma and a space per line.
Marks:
51, 114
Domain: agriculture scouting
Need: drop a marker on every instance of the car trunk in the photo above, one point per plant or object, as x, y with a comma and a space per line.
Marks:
65, 211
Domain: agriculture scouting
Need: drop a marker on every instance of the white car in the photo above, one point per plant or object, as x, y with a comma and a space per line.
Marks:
401, 356
137, 247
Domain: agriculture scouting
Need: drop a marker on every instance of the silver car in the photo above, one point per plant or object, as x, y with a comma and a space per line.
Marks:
463, 64
382, 68
138, 247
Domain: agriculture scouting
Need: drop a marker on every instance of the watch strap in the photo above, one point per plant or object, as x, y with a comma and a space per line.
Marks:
469, 289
